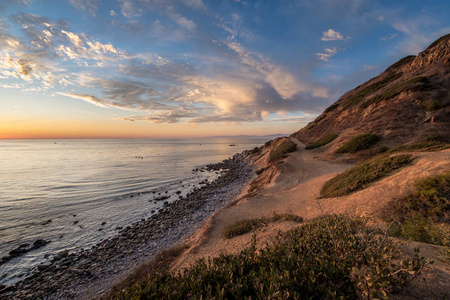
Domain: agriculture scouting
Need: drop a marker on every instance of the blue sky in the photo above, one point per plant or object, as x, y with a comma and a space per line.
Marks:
143, 68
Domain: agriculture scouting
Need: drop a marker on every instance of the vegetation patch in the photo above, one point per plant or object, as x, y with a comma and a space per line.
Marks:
430, 105
247, 225
360, 142
431, 143
417, 82
403, 61
377, 151
370, 89
332, 257
362, 175
423, 215
281, 151
254, 151
322, 141
332, 107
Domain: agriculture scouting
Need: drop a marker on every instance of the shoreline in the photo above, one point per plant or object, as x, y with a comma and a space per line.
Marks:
92, 272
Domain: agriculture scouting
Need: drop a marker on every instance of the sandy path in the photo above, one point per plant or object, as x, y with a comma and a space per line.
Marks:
296, 191
291, 188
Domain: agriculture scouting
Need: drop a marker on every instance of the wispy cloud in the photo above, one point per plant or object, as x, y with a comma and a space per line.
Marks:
328, 52
91, 6
389, 37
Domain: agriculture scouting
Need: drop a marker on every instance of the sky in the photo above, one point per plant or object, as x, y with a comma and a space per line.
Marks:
195, 68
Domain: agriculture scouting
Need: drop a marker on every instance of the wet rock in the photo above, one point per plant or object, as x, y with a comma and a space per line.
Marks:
62, 254
43, 267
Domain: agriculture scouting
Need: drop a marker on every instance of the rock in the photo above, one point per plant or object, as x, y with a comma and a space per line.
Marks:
103, 223
43, 267
40, 243
62, 254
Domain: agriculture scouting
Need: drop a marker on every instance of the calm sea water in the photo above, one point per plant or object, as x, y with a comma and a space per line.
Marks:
88, 188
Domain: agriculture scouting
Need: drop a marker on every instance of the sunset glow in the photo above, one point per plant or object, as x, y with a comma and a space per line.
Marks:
193, 68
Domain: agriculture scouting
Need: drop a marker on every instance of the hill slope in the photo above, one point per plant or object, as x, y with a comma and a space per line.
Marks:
406, 103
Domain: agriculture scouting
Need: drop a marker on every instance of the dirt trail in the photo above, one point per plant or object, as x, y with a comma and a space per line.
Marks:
283, 196
296, 190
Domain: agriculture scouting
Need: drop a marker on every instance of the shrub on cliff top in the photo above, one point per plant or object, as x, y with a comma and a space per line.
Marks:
281, 151
430, 143
423, 215
333, 257
362, 175
322, 141
246, 225
359, 142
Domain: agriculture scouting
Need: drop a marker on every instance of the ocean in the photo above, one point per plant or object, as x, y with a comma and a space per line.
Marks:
76, 193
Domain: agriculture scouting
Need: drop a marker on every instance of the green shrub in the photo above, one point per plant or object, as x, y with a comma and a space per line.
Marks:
376, 151
281, 151
431, 143
430, 105
255, 150
333, 257
360, 142
243, 226
362, 175
332, 107
370, 89
422, 230
412, 84
405, 60
322, 141
423, 215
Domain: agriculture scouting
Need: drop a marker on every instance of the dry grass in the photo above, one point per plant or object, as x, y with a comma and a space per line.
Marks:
246, 225
160, 262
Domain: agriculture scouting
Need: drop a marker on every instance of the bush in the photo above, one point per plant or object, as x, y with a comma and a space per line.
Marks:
281, 151
430, 105
430, 143
423, 215
370, 89
247, 225
333, 257
322, 141
260, 171
362, 175
255, 150
412, 84
360, 142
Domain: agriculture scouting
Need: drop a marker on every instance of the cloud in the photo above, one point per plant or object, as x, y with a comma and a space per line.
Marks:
129, 9
89, 99
90, 6
331, 35
329, 52
174, 116
389, 37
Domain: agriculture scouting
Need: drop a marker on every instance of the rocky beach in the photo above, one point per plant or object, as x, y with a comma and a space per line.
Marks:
89, 273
